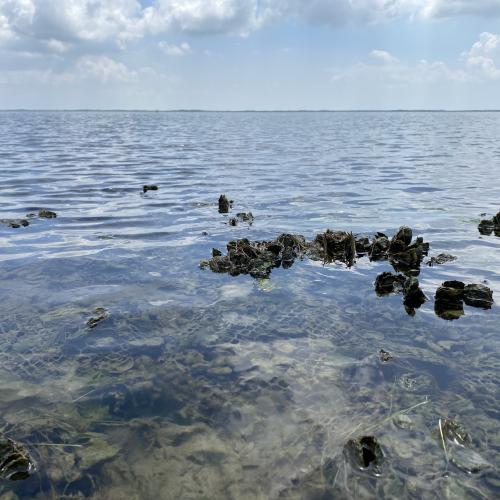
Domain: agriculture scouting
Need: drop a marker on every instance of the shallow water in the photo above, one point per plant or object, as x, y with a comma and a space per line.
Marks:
202, 385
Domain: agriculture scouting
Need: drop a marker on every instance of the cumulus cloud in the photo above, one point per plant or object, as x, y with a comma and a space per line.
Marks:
449, 8
104, 69
484, 56
122, 21
480, 63
175, 50
389, 70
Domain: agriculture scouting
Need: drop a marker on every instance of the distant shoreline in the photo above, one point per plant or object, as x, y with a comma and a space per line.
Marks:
90, 110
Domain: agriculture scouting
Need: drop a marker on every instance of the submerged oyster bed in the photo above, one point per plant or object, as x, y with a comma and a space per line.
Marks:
127, 372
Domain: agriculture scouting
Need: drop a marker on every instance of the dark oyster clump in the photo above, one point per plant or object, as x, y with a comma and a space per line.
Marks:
224, 204
15, 223
451, 296
258, 258
478, 296
413, 294
46, 214
449, 303
332, 246
442, 258
365, 454
387, 283
488, 226
403, 255
100, 315
149, 187
15, 461
385, 356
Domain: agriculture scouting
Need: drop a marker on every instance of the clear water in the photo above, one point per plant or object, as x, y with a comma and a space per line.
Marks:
201, 385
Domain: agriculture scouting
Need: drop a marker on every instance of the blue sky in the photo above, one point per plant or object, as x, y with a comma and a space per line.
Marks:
250, 54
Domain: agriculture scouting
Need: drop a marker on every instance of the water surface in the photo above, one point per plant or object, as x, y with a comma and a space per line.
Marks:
201, 385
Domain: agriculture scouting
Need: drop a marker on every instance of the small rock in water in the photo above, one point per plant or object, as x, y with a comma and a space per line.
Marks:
233, 221
149, 187
488, 226
478, 296
385, 356
216, 253
387, 283
100, 315
15, 461
15, 223
442, 258
403, 421
224, 204
365, 453
245, 217
47, 214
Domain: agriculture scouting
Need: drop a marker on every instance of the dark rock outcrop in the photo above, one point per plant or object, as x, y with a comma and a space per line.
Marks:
149, 187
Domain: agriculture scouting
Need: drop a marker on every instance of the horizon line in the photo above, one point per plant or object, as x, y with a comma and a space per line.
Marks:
201, 110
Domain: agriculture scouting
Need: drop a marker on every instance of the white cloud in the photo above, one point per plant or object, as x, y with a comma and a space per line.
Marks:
480, 64
104, 69
393, 72
175, 50
383, 56
449, 8
5, 31
122, 21
484, 56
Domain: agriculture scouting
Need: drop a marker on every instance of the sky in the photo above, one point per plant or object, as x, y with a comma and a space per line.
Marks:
250, 54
